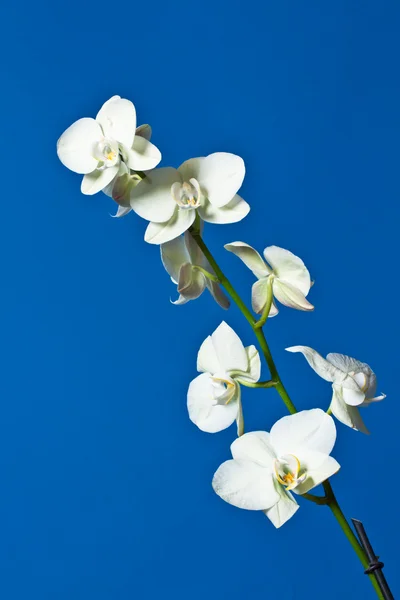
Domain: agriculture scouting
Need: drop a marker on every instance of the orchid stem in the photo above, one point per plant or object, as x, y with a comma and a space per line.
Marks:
329, 499
206, 273
259, 384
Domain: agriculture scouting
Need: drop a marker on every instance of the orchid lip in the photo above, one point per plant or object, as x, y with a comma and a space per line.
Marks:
287, 471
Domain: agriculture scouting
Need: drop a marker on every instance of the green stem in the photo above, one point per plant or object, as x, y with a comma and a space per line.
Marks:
259, 384
206, 273
348, 532
329, 498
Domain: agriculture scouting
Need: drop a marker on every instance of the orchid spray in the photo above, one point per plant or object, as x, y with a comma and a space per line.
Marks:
269, 471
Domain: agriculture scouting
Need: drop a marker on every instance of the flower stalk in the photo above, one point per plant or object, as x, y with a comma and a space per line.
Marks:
329, 499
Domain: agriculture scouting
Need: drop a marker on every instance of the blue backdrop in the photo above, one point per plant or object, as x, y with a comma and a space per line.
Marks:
105, 483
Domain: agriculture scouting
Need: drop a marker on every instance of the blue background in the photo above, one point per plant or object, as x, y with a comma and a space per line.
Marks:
105, 483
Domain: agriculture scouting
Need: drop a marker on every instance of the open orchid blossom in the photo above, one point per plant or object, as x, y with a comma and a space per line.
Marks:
213, 398
98, 147
170, 198
184, 262
120, 188
267, 467
285, 276
353, 382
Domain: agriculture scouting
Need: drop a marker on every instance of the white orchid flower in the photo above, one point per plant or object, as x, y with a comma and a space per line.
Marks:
120, 188
353, 383
267, 467
97, 147
214, 396
184, 262
170, 198
285, 276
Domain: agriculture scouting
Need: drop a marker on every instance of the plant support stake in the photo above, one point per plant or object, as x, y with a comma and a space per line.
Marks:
375, 565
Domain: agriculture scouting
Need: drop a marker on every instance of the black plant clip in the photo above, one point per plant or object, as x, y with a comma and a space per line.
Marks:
375, 565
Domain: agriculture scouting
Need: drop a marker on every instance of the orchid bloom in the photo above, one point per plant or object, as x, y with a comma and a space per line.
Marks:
98, 147
170, 198
267, 467
181, 258
214, 396
120, 188
285, 276
353, 383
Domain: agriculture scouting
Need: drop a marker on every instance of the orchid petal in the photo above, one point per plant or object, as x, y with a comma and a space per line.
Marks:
159, 233
144, 131
122, 211
173, 255
284, 509
76, 145
217, 293
256, 447
117, 118
234, 211
151, 199
245, 484
97, 180
288, 267
318, 466
250, 257
143, 155
290, 296
322, 367
348, 415
191, 282
229, 349
313, 429
204, 411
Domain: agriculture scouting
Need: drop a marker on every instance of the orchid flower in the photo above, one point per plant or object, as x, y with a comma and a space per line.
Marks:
214, 396
353, 383
285, 276
98, 147
185, 263
170, 198
267, 467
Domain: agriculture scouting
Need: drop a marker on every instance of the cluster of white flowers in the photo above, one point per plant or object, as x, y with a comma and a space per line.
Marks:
117, 157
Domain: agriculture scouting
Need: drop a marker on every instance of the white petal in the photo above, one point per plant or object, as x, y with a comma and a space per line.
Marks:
245, 485
122, 211
151, 199
173, 255
313, 429
217, 293
289, 267
220, 176
322, 367
144, 131
76, 145
181, 220
284, 509
255, 447
319, 467
97, 180
352, 397
348, 415
143, 155
259, 294
254, 369
191, 282
196, 255
117, 118
234, 211
202, 407
250, 257
290, 296
207, 359
351, 365
229, 349
346, 363
190, 169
